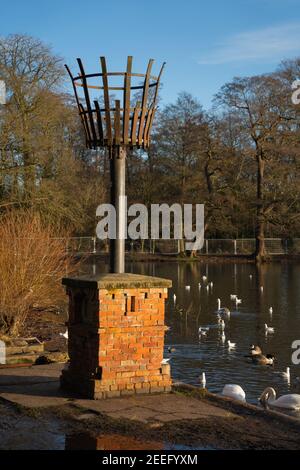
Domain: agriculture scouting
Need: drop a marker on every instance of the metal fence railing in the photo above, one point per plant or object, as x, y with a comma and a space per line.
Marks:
239, 246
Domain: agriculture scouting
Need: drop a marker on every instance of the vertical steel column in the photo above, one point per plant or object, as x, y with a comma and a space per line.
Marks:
117, 197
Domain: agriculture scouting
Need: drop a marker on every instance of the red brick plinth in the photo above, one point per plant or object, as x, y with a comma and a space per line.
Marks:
116, 335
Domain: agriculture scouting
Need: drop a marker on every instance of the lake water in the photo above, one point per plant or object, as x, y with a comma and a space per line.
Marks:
196, 307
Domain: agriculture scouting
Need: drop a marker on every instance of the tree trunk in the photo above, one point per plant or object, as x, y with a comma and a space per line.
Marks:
260, 253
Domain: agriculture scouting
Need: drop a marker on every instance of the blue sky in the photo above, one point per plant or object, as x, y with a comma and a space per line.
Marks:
205, 44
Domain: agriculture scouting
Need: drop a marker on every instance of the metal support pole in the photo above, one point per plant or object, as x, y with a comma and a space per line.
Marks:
117, 175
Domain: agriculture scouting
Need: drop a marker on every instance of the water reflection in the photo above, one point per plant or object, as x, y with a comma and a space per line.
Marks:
85, 441
196, 307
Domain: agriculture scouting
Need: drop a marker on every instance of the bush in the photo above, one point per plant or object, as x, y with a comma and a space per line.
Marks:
32, 262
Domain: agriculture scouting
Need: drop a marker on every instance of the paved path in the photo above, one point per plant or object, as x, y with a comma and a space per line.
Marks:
38, 386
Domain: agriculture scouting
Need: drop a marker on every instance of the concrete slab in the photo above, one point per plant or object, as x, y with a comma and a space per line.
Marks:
38, 386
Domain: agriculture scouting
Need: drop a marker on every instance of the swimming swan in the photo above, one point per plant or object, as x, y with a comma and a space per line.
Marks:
290, 401
222, 310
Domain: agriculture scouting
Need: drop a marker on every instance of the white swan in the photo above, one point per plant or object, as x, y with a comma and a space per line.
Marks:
234, 391
269, 329
65, 335
222, 310
290, 401
203, 379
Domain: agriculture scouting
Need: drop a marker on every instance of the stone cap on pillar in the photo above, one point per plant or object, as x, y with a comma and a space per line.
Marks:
116, 281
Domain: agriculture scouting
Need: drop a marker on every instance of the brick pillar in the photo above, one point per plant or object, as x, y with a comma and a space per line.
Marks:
116, 335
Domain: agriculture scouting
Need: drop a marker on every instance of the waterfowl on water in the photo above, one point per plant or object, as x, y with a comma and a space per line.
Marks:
231, 345
261, 359
222, 310
65, 335
234, 391
269, 329
171, 349
233, 296
255, 350
203, 331
290, 401
203, 379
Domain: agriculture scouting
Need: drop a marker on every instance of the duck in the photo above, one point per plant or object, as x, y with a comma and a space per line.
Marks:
203, 328
261, 359
203, 331
231, 345
222, 310
171, 349
291, 401
269, 329
234, 391
255, 350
